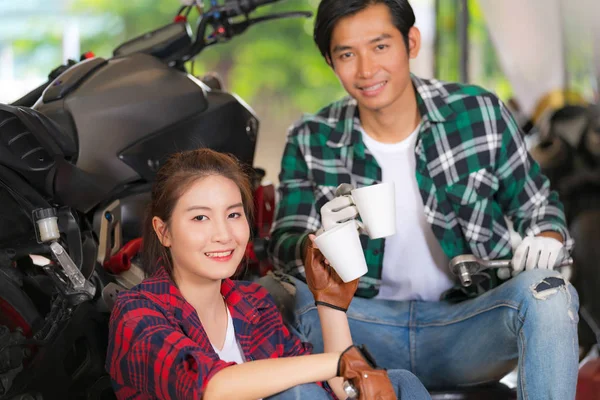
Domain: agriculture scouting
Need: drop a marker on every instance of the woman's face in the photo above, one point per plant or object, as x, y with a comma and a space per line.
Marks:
208, 232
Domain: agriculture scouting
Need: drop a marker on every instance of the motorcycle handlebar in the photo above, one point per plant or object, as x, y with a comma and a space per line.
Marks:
30, 98
220, 17
247, 6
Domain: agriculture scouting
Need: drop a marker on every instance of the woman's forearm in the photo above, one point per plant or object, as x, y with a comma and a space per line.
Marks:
258, 379
336, 338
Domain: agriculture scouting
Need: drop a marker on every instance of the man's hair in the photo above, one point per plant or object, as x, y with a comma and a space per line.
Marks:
331, 11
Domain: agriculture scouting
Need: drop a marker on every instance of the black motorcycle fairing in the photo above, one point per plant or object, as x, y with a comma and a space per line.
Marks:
118, 103
133, 202
227, 126
18, 200
18, 123
30, 144
76, 188
34, 147
70, 79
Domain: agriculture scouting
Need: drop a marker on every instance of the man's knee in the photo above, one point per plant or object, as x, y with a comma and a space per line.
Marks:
547, 296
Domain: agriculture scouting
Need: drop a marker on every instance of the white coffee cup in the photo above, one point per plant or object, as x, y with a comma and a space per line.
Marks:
376, 206
341, 247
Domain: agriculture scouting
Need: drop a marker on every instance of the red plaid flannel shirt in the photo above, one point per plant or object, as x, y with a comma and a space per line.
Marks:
158, 348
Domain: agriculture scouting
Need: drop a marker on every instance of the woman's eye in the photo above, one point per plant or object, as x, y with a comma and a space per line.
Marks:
235, 215
200, 218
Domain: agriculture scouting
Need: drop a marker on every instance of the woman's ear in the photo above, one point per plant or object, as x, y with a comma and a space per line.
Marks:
162, 231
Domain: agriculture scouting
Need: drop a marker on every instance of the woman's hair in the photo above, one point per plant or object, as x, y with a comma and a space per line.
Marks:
173, 179
331, 11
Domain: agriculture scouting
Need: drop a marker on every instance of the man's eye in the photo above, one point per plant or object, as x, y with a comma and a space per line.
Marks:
200, 218
382, 46
345, 55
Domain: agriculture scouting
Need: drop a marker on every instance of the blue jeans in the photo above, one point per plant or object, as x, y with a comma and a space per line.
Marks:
531, 319
407, 386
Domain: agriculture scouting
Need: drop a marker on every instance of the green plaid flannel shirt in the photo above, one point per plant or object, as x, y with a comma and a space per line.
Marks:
472, 168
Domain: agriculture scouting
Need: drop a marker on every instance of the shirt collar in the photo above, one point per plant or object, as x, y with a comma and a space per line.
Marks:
344, 121
243, 305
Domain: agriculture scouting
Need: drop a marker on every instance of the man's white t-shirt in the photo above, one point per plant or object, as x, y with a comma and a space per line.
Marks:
414, 265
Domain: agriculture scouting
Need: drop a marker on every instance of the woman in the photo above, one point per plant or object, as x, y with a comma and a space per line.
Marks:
189, 331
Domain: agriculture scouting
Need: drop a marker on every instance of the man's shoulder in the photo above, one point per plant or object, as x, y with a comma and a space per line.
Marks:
460, 97
327, 117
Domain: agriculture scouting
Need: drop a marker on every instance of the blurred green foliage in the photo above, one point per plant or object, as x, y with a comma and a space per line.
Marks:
484, 67
275, 59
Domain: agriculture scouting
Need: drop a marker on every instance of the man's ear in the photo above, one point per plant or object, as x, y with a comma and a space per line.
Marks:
162, 231
414, 42
329, 62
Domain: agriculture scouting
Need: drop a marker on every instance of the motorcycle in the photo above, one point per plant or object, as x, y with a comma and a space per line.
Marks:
76, 169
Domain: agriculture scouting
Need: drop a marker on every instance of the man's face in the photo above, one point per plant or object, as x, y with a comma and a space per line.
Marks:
369, 57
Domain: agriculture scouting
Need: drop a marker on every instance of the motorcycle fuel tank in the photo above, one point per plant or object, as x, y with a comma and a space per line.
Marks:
127, 114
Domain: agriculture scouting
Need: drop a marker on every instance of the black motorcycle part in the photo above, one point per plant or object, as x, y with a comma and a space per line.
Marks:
16, 308
122, 101
585, 230
166, 43
70, 79
133, 200
227, 126
71, 361
19, 200
36, 148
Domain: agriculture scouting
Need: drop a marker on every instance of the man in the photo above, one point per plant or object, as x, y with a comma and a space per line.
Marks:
460, 169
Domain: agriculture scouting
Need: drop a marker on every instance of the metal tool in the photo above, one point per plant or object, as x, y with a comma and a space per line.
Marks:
343, 189
467, 265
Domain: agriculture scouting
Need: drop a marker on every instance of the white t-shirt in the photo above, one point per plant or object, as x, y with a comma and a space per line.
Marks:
231, 351
414, 265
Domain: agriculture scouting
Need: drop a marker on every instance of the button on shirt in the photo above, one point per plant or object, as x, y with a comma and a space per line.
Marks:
414, 265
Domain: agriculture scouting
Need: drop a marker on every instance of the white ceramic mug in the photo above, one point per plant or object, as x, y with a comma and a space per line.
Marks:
342, 248
376, 206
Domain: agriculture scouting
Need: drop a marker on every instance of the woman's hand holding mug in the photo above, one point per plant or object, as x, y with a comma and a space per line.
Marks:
324, 283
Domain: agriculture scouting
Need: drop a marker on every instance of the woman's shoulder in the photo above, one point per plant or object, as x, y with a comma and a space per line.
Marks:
153, 293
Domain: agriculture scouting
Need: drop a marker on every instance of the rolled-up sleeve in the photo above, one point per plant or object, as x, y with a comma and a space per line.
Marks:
150, 356
296, 214
525, 194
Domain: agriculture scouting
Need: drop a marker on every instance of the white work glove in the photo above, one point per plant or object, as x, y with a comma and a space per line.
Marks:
538, 252
338, 210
